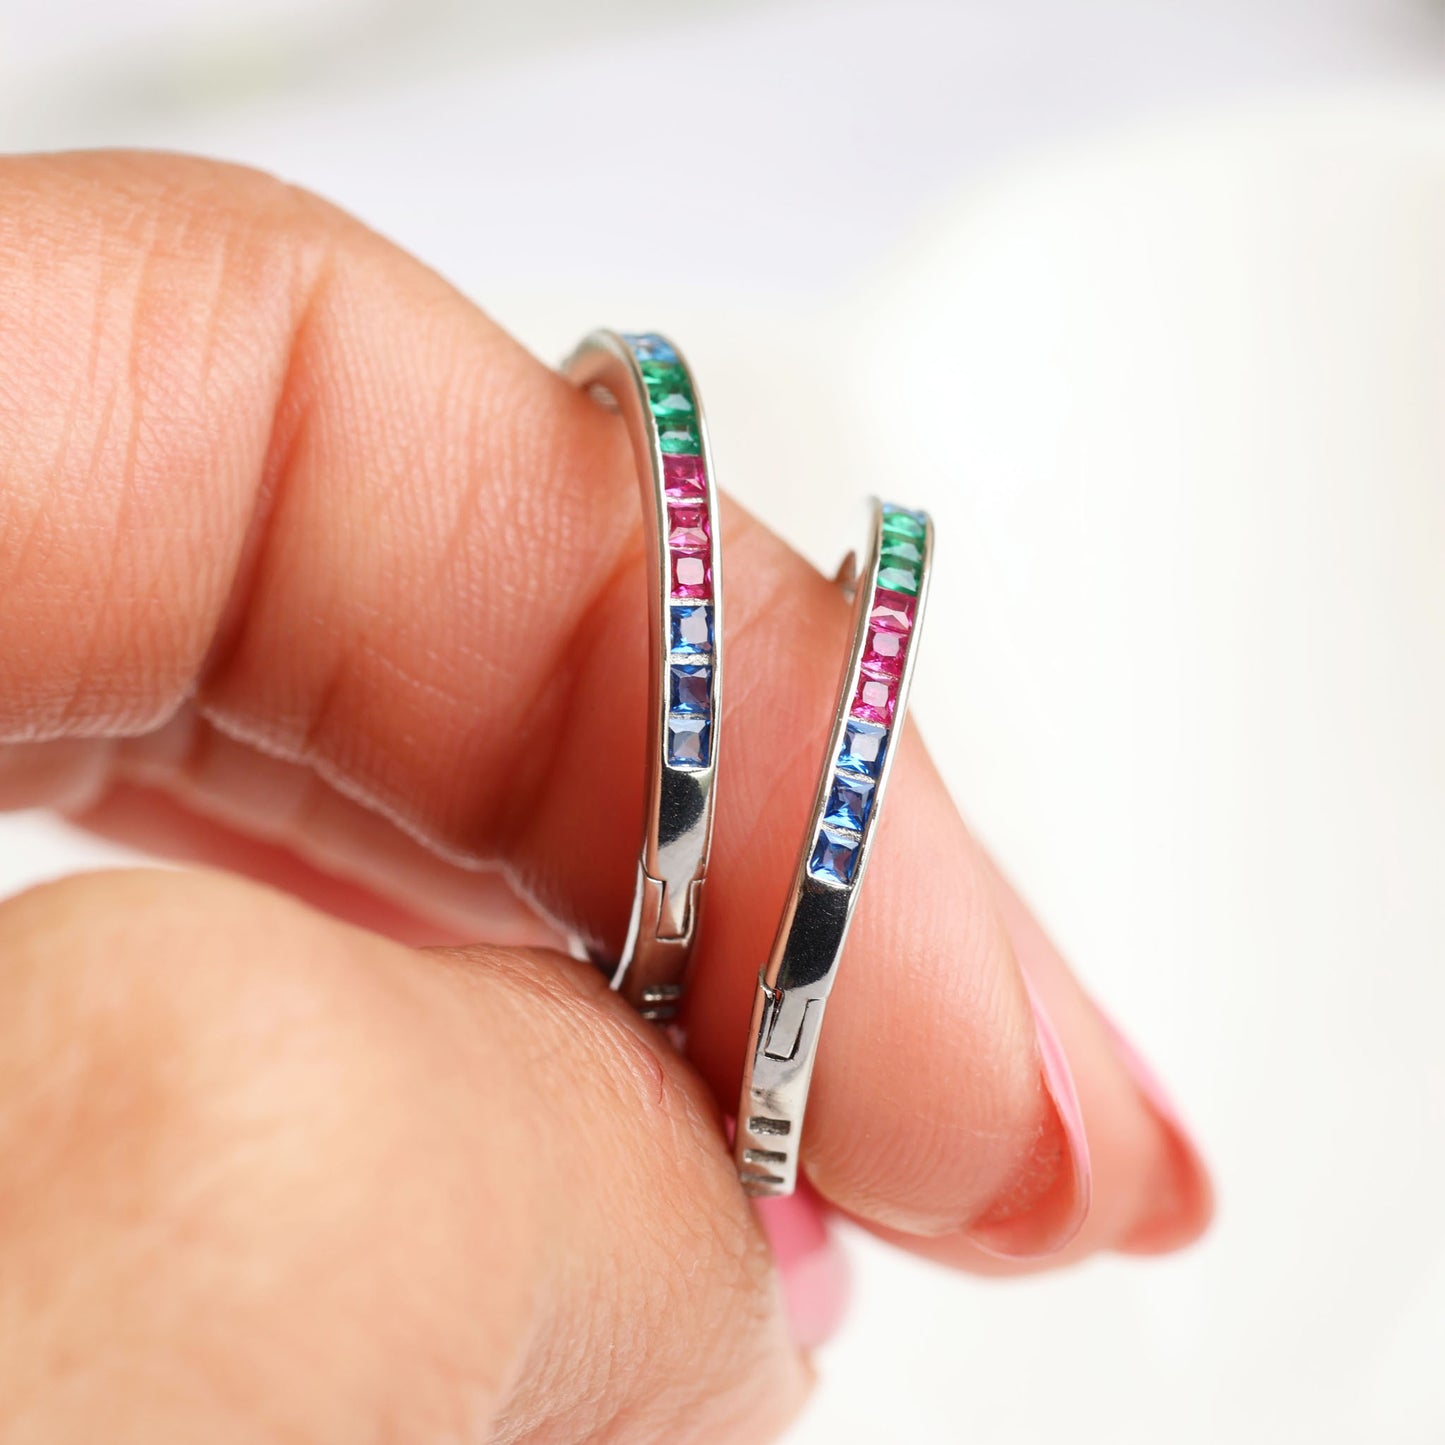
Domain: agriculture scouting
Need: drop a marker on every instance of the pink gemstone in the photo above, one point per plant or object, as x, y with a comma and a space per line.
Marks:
684, 478
688, 529
873, 701
883, 656
691, 576
892, 611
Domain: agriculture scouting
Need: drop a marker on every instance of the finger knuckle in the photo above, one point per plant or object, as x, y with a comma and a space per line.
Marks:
146, 310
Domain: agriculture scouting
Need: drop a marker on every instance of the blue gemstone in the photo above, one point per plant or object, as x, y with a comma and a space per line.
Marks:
834, 857
691, 627
690, 687
864, 744
649, 346
687, 742
849, 802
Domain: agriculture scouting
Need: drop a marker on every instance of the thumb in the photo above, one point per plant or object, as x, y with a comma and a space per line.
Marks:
268, 1176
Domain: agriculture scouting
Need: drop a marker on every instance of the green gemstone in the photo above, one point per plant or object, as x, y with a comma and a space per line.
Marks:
679, 436
669, 403
899, 579
669, 389
665, 373
900, 549
902, 524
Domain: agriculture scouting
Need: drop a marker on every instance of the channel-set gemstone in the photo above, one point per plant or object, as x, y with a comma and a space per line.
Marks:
691, 627
864, 744
669, 392
906, 549
673, 406
905, 555
883, 654
834, 856
858, 766
687, 741
679, 436
669, 375
683, 478
898, 578
668, 404
691, 576
849, 802
902, 551
900, 523
687, 528
873, 702
689, 687
892, 611
648, 346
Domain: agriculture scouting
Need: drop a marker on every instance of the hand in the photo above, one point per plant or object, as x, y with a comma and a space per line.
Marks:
302, 558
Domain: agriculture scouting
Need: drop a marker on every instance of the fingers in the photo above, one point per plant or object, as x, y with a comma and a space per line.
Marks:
442, 905
275, 490
1130, 1116
1152, 1191
1153, 1188
813, 1268
329, 1191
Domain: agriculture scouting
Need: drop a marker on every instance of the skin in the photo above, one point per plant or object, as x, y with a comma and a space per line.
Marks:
308, 570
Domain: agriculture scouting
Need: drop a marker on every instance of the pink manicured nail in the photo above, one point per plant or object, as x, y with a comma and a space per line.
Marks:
1186, 1209
1050, 1222
810, 1263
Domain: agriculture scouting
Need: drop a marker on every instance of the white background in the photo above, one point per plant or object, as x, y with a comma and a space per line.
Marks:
1147, 303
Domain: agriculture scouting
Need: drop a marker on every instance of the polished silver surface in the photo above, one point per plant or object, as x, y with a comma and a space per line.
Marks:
794, 986
651, 972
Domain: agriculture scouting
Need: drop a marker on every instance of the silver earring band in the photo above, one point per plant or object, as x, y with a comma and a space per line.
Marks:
793, 989
644, 377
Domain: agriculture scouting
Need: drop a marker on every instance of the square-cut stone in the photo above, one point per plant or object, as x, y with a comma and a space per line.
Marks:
864, 744
671, 396
690, 684
665, 373
897, 577
901, 552
884, 652
669, 389
835, 855
691, 575
684, 479
687, 741
649, 346
691, 627
849, 802
891, 611
873, 702
679, 436
687, 528
899, 522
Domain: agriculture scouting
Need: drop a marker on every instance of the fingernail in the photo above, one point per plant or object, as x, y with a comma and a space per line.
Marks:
1185, 1204
1050, 1203
811, 1265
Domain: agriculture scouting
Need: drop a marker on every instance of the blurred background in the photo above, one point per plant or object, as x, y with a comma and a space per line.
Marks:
1146, 302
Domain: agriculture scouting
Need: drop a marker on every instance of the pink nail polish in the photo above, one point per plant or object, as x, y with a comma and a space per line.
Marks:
1186, 1210
811, 1265
1048, 1223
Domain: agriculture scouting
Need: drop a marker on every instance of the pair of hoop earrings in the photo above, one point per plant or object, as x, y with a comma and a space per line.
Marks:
645, 378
